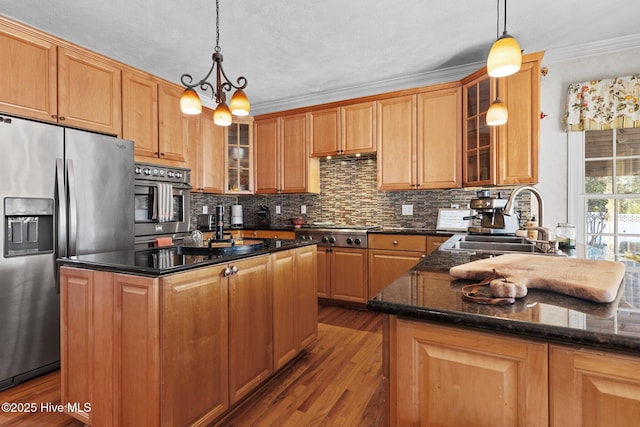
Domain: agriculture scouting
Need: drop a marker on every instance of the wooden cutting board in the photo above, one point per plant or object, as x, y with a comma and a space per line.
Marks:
594, 280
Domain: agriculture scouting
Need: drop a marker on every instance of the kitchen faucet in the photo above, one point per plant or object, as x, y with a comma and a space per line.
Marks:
508, 210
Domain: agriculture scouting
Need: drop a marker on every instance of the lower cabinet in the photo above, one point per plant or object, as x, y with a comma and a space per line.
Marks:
194, 346
446, 376
184, 348
295, 304
593, 388
342, 274
390, 256
250, 319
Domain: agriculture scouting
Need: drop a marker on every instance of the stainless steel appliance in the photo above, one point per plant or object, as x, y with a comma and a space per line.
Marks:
342, 236
63, 192
492, 216
162, 203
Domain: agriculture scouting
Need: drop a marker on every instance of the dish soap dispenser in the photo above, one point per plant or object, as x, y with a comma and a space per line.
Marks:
532, 234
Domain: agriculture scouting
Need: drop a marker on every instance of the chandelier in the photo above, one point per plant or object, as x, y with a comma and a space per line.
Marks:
505, 56
239, 105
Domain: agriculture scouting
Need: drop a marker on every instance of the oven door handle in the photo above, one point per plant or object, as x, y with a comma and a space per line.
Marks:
176, 185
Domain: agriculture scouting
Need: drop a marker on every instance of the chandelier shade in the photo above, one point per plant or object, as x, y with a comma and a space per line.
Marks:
505, 56
497, 114
190, 101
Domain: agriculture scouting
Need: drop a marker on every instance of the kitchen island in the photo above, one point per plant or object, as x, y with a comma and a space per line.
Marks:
548, 359
169, 336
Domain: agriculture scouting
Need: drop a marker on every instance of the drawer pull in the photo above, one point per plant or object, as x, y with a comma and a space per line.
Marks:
395, 242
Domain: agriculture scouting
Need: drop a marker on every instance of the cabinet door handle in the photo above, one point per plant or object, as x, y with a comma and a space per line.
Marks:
234, 269
62, 119
227, 272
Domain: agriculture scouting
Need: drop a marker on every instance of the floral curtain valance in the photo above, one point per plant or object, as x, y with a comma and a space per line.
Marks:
604, 104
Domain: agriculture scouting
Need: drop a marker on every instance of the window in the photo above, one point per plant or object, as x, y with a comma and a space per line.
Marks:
607, 182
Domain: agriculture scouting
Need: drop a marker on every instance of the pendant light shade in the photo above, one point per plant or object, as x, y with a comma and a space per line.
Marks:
222, 115
239, 104
190, 102
497, 114
505, 57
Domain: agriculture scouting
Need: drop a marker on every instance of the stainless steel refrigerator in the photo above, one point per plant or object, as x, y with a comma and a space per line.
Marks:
63, 192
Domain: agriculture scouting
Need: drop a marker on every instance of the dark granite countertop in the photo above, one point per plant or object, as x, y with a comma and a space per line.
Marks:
168, 259
427, 292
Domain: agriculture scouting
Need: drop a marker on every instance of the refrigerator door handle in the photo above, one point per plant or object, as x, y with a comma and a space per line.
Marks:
62, 209
73, 208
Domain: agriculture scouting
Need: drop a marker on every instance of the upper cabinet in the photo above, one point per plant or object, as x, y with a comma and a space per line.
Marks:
282, 162
47, 81
239, 159
152, 119
81, 73
507, 154
349, 129
29, 73
419, 140
207, 154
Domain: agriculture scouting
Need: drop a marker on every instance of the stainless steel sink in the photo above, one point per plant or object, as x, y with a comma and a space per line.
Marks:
491, 244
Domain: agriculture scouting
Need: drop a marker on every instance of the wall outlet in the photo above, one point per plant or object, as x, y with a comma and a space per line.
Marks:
407, 209
303, 209
278, 212
205, 209
455, 206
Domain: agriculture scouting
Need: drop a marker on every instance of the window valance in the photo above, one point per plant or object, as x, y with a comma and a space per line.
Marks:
604, 104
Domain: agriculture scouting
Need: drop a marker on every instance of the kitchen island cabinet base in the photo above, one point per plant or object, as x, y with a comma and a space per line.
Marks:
499, 380
156, 350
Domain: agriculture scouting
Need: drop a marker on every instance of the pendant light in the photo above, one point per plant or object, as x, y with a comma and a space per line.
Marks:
497, 114
190, 101
505, 56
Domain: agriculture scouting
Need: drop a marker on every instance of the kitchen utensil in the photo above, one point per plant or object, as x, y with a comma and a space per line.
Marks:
298, 221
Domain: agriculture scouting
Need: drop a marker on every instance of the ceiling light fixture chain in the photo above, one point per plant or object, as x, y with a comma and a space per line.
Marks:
239, 105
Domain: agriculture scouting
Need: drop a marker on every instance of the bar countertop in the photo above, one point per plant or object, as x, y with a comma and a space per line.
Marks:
169, 259
428, 293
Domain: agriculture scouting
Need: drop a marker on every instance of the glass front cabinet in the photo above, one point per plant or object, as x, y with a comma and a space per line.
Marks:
239, 160
507, 154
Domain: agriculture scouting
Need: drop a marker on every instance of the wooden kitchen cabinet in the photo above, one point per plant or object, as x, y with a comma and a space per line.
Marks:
208, 163
153, 120
282, 162
295, 303
239, 156
505, 154
81, 73
342, 274
483, 378
109, 351
195, 347
47, 79
349, 129
269, 234
250, 325
593, 388
434, 242
29, 72
390, 256
419, 140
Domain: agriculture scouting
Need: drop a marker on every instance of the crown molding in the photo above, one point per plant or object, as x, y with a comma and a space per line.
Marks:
437, 76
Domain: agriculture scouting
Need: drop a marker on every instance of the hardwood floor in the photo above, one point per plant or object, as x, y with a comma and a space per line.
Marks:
336, 382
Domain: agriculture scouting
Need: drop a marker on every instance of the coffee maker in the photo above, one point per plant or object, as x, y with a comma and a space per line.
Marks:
491, 215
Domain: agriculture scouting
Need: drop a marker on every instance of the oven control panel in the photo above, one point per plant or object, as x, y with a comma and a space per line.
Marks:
160, 173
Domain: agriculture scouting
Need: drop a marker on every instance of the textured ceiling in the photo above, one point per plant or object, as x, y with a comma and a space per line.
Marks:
297, 52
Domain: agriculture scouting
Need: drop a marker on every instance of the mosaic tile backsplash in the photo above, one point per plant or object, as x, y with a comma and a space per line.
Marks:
348, 195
